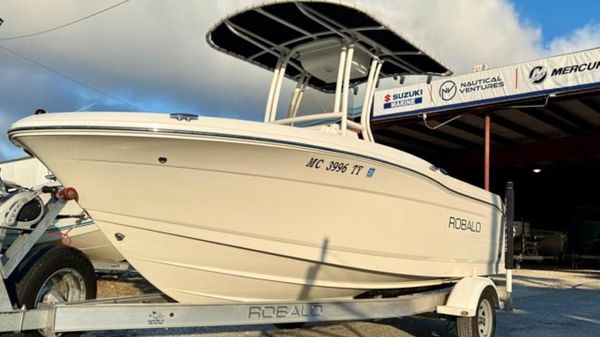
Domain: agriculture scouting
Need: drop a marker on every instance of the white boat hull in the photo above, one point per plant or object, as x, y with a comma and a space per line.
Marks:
219, 210
85, 236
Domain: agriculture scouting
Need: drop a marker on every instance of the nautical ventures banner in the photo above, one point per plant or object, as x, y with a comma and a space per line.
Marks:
565, 73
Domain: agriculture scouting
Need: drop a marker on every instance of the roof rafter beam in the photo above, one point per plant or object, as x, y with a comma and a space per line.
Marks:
479, 132
591, 104
551, 119
447, 137
582, 146
413, 141
405, 146
564, 113
516, 127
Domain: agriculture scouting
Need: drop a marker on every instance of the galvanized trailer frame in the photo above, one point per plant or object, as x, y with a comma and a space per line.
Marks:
154, 311
102, 315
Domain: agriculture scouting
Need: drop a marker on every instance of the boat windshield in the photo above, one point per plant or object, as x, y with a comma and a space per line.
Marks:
313, 102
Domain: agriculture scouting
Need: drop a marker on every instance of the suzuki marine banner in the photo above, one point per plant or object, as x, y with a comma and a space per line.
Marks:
565, 73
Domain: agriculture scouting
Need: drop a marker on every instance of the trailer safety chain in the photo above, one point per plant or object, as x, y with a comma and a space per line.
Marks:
66, 240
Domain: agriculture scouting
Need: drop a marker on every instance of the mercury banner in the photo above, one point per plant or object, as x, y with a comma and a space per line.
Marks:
559, 74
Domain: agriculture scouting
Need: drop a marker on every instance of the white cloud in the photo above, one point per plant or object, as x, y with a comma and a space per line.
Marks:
585, 37
7, 150
143, 49
463, 33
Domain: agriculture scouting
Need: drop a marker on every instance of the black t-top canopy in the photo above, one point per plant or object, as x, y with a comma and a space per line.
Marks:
260, 34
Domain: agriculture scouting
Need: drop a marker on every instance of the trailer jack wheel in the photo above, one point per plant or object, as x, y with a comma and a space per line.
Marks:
483, 324
61, 274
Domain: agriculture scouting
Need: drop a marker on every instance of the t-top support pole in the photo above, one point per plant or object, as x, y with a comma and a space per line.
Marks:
297, 96
340, 77
365, 115
346, 88
272, 89
486, 160
278, 85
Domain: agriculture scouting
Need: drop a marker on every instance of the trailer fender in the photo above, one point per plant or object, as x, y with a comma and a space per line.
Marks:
465, 295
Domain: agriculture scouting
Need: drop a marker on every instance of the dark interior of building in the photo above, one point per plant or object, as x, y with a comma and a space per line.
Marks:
549, 148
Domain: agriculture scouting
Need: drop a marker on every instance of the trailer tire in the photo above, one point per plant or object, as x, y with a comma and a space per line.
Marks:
483, 324
58, 264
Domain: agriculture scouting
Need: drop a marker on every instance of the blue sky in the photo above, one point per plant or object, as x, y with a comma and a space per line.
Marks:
153, 54
558, 17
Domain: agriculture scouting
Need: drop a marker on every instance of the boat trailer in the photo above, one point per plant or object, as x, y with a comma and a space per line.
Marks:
471, 300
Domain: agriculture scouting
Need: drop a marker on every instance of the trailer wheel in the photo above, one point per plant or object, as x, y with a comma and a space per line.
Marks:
483, 324
61, 274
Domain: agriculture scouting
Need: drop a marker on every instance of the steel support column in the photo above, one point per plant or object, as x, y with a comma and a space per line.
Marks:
486, 173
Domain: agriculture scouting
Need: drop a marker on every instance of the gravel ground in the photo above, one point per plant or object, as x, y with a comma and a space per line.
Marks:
113, 286
548, 304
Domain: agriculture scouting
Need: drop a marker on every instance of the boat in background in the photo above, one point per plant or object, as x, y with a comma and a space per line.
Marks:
219, 210
539, 244
85, 236
585, 232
